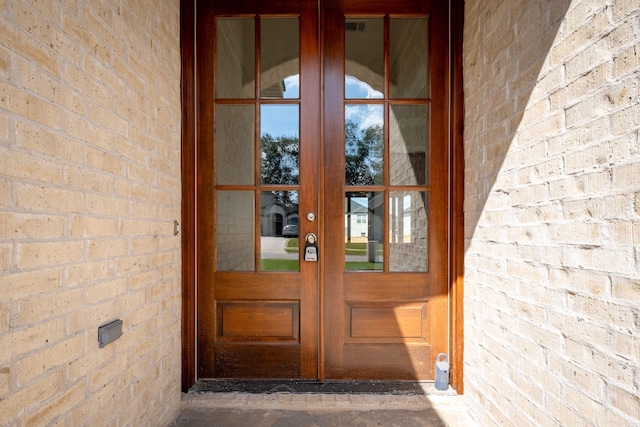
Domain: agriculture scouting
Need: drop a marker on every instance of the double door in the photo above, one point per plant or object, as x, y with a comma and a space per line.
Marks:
322, 200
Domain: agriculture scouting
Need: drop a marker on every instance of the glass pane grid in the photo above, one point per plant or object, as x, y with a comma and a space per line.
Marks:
257, 104
386, 144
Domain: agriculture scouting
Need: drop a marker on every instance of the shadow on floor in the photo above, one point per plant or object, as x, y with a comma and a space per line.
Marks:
228, 417
321, 410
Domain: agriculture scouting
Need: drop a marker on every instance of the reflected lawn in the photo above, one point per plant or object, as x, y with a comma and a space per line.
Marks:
293, 265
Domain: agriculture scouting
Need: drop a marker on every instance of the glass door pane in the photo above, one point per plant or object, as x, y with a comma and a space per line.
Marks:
364, 219
279, 58
279, 244
409, 62
235, 51
364, 58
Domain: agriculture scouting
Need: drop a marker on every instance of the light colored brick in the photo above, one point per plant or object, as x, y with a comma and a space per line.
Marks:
615, 370
106, 205
588, 382
91, 318
78, 177
86, 39
137, 169
49, 254
44, 31
89, 272
37, 364
627, 61
28, 226
50, 88
132, 190
624, 120
5, 193
37, 336
6, 256
105, 161
5, 62
108, 120
22, 165
143, 279
47, 199
106, 290
24, 400
625, 401
37, 308
60, 405
25, 284
143, 314
137, 228
83, 413
105, 415
626, 290
100, 19
5, 382
134, 300
30, 107
106, 374
19, 42
108, 248
49, 143
78, 76
80, 128
627, 176
579, 281
4, 318
626, 345
99, 72
86, 226
90, 362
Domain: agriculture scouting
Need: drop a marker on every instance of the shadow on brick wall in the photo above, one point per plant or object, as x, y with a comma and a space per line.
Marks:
506, 55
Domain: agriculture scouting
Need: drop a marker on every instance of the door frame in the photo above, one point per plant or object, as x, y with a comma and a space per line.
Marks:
190, 184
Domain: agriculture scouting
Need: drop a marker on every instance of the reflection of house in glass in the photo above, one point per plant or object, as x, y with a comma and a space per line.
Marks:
408, 227
356, 220
277, 209
364, 221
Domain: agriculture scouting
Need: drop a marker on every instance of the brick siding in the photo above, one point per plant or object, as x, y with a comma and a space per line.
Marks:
89, 189
552, 212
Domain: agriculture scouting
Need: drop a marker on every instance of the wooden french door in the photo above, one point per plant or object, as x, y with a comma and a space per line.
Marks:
322, 188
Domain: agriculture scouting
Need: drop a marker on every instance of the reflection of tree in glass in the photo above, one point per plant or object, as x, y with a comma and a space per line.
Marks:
363, 154
279, 160
279, 165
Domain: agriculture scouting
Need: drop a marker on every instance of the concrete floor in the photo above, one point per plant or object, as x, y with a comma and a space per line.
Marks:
321, 410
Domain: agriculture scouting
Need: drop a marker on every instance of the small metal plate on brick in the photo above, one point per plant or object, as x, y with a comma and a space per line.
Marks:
109, 333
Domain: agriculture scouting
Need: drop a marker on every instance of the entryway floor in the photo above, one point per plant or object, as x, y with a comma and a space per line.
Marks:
286, 409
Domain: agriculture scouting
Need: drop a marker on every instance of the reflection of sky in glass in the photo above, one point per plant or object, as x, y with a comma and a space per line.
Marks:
365, 116
292, 86
279, 120
358, 89
362, 201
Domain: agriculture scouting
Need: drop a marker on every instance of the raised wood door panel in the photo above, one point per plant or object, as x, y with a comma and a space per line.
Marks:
257, 316
385, 323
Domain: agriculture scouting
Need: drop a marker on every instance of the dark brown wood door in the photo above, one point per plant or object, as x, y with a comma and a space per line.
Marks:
326, 119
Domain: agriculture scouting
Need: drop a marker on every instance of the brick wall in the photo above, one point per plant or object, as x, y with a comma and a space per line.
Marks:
89, 189
552, 212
